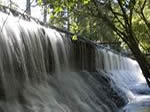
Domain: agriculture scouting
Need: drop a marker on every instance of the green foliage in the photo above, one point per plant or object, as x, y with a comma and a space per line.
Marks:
75, 17
74, 27
133, 10
74, 37
85, 1
81, 17
40, 2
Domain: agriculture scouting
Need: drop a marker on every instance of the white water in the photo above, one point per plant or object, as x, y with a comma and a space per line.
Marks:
36, 75
128, 77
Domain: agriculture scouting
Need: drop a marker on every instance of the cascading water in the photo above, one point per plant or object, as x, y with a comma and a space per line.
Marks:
43, 71
127, 75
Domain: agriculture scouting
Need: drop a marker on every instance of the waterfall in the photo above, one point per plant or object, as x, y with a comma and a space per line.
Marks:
42, 70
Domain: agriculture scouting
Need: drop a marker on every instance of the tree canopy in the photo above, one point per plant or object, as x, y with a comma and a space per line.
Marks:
77, 18
84, 17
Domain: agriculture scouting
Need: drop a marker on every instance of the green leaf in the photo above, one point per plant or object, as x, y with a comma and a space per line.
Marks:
39, 2
48, 10
58, 9
86, 2
52, 16
74, 37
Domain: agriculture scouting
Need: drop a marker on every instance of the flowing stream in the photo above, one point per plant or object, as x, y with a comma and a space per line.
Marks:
42, 70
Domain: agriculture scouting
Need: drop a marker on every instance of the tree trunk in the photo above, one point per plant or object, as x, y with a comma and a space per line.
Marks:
45, 11
28, 7
141, 59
